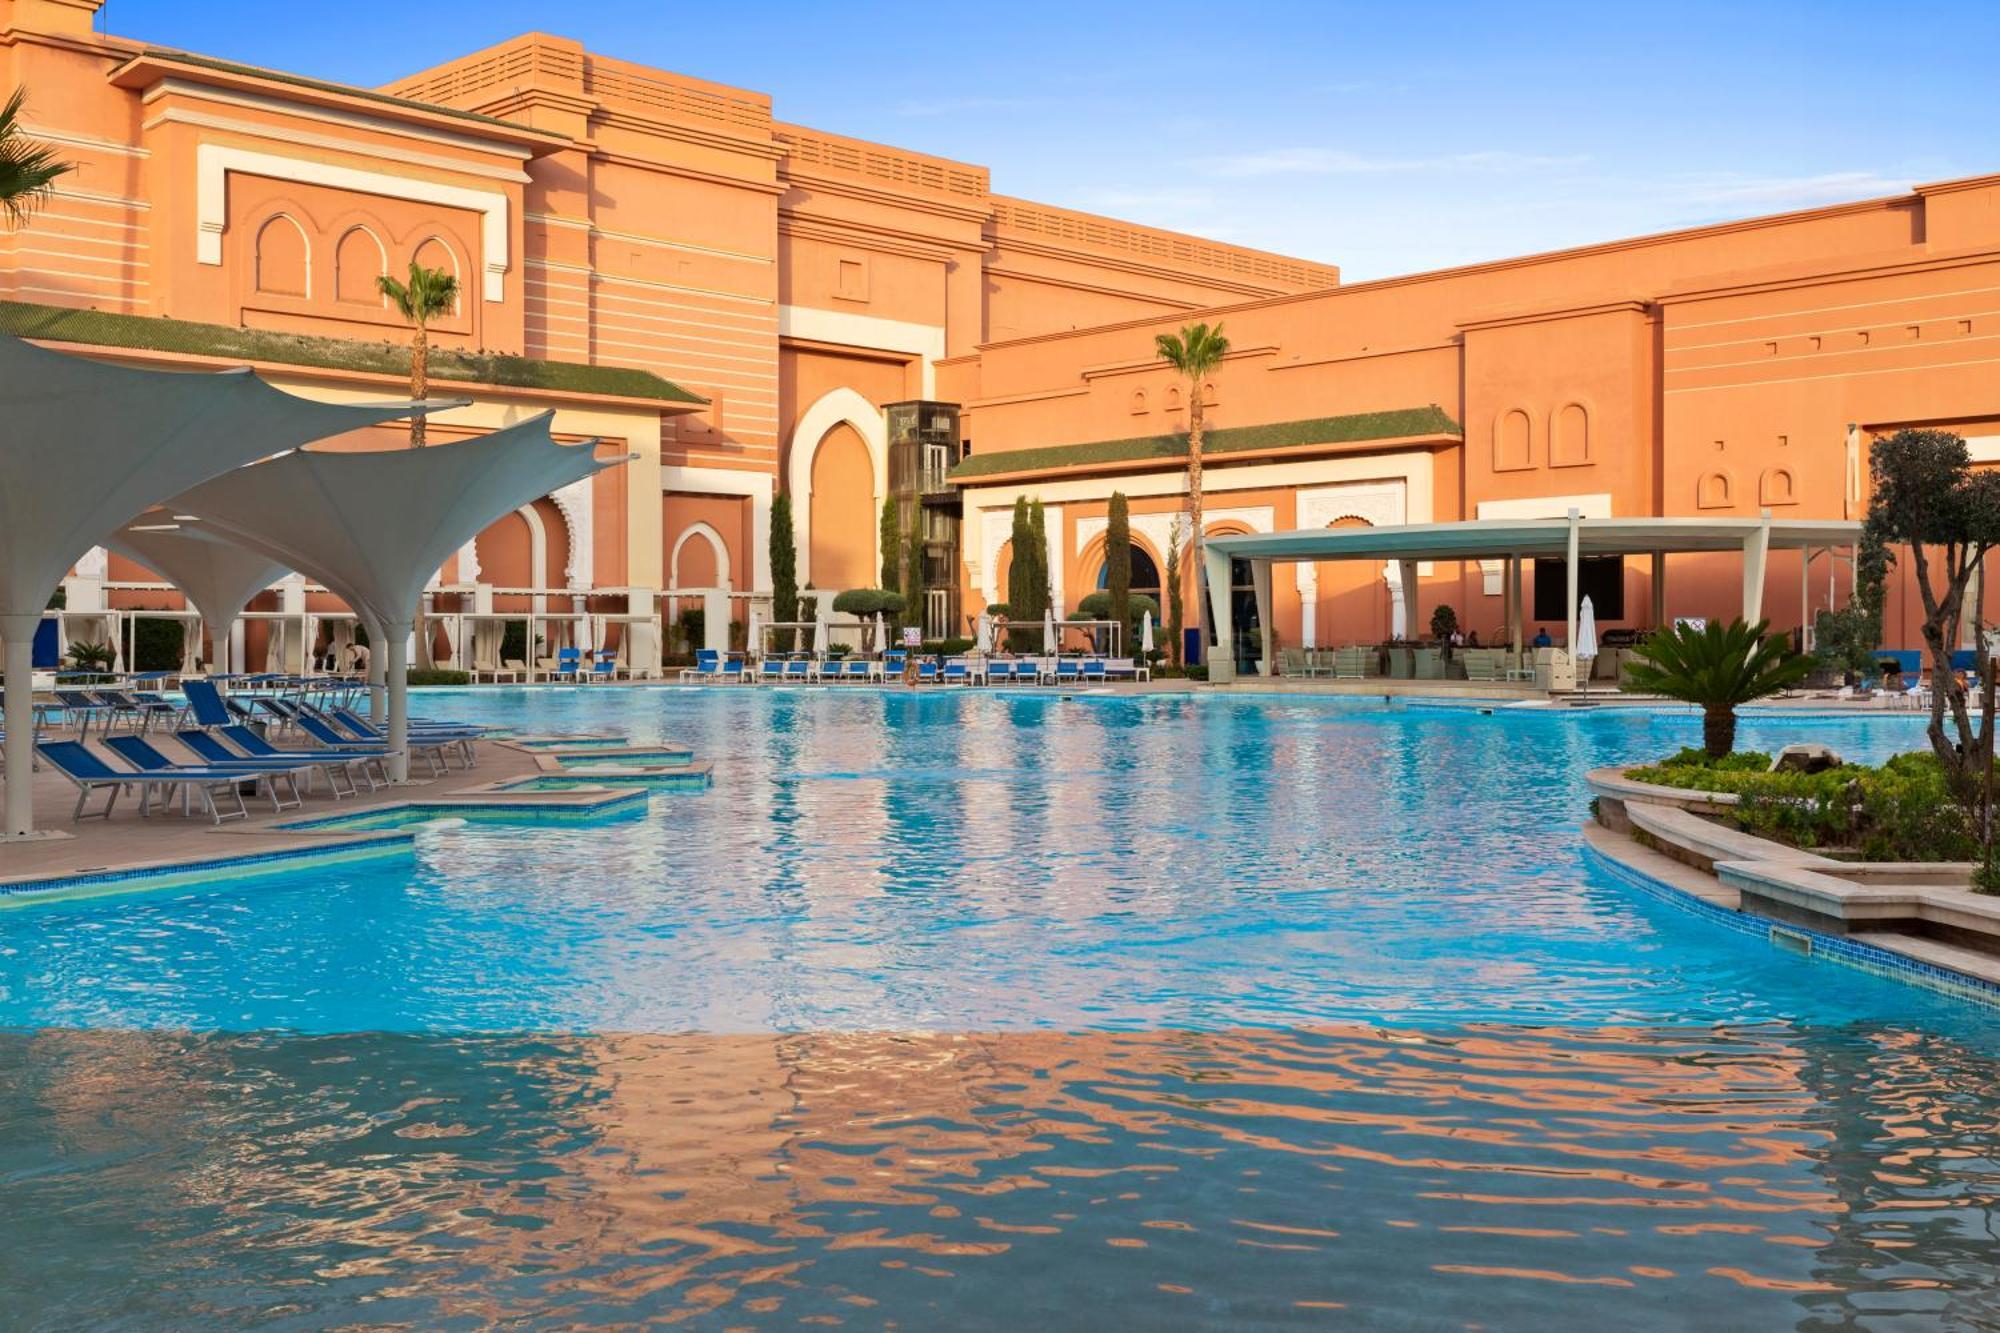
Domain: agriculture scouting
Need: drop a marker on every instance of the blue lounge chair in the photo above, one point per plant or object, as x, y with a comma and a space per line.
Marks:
707, 666
798, 669
367, 767
1000, 671
569, 664
893, 662
84, 767
205, 706
1069, 668
426, 738
139, 752
857, 668
137, 710
927, 670
956, 672
318, 730
1093, 668
82, 707
211, 751
770, 669
604, 666
732, 667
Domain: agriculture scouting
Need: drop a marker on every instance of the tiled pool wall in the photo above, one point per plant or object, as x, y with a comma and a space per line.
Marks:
1837, 948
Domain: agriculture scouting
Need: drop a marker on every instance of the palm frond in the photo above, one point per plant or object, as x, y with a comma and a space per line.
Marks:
28, 170
428, 293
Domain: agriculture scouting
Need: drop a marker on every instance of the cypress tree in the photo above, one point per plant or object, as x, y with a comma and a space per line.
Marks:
913, 572
891, 538
1021, 573
784, 564
1118, 563
1173, 592
1038, 537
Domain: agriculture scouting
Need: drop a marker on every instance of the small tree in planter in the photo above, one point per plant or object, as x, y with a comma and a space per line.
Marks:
866, 603
1173, 593
1717, 668
1444, 624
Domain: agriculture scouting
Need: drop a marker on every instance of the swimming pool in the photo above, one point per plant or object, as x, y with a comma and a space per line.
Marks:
942, 1009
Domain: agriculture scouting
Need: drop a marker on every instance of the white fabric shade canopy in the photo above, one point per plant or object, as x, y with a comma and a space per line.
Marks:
91, 445
217, 575
374, 526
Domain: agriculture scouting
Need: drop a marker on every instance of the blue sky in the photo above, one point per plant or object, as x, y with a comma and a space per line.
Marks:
1384, 138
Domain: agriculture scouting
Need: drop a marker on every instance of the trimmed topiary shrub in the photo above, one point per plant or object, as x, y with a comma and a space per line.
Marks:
439, 676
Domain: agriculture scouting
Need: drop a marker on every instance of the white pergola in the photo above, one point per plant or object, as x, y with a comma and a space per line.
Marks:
90, 446
374, 525
1510, 542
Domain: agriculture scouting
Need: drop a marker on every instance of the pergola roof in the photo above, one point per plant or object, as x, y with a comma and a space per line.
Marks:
374, 525
90, 446
1491, 539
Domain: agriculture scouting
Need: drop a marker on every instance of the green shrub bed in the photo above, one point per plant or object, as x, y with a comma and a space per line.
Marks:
1900, 811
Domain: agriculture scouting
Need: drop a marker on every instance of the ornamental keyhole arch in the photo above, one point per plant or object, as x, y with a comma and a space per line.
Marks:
837, 406
719, 547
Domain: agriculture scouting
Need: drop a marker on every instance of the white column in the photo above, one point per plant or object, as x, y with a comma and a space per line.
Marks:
1514, 592
19, 633
1222, 658
1406, 581
1756, 556
1570, 609
398, 670
1308, 581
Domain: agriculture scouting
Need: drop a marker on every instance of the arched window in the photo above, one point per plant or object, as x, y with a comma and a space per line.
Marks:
1145, 574
1513, 441
1778, 487
284, 257
1715, 490
1569, 436
434, 253
1138, 402
358, 260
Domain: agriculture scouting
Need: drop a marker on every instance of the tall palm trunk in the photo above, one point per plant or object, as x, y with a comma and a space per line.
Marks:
420, 379
1194, 511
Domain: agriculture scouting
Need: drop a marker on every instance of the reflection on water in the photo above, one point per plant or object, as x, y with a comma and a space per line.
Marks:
1464, 1176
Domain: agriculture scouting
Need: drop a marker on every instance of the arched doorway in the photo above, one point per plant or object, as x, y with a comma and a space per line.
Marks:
1145, 574
844, 511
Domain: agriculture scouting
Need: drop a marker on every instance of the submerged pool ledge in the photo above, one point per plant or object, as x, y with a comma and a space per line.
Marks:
1932, 964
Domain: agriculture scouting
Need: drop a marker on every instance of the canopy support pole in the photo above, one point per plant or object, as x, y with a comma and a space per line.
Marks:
378, 648
398, 668
1659, 590
1260, 581
19, 633
1514, 592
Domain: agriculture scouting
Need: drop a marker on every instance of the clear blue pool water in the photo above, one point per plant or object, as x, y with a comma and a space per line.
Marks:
976, 1011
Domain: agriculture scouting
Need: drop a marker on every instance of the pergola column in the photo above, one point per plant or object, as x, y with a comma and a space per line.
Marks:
1659, 590
1570, 609
19, 634
1406, 578
1756, 558
1260, 582
1514, 616
1222, 657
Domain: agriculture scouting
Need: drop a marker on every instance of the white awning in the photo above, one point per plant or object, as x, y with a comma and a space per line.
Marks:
1492, 539
217, 575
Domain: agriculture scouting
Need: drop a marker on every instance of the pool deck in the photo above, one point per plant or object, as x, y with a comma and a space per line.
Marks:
127, 844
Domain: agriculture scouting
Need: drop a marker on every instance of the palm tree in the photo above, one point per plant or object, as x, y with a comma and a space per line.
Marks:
1717, 667
28, 170
1195, 352
429, 292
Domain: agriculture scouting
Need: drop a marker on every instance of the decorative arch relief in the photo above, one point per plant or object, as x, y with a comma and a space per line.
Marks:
1715, 490
1778, 486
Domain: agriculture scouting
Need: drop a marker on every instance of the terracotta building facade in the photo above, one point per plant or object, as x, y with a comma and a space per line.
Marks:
738, 301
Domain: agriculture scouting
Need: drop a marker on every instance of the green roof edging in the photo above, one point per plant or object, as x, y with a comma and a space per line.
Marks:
1402, 423
343, 89
100, 328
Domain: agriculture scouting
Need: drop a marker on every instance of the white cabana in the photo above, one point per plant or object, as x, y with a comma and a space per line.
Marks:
91, 445
373, 526
215, 574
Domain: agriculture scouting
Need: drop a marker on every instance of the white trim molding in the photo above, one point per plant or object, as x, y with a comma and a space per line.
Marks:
214, 162
923, 341
578, 509
836, 406
1597, 505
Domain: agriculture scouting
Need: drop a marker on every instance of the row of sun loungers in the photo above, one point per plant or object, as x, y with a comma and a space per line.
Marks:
231, 748
718, 668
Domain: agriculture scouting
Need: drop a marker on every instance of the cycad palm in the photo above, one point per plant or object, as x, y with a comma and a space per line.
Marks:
1718, 668
429, 292
28, 170
1195, 352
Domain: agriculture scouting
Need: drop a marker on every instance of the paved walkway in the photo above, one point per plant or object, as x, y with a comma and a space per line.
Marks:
126, 840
